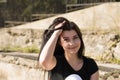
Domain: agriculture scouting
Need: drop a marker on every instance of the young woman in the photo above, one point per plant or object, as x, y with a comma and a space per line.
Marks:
62, 52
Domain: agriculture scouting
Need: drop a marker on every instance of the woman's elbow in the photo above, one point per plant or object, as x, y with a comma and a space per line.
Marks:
42, 62
47, 65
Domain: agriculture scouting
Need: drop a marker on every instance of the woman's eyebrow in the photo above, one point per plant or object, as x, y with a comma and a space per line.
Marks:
72, 36
75, 35
65, 37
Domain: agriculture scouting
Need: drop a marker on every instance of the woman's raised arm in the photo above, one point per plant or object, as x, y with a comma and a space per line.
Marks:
47, 59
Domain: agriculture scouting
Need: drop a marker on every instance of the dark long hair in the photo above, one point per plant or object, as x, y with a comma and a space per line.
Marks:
68, 25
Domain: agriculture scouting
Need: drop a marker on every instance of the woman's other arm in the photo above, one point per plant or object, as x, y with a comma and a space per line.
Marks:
95, 76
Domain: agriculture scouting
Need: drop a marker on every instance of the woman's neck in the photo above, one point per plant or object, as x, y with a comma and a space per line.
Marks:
75, 62
71, 57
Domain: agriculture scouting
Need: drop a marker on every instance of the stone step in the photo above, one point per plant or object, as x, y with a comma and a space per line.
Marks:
104, 67
108, 67
32, 56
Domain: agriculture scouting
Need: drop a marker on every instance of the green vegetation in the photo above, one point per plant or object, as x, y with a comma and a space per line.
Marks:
22, 10
29, 49
109, 59
114, 60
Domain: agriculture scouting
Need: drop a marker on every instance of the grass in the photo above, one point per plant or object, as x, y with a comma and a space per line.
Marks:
114, 60
29, 49
106, 59
109, 60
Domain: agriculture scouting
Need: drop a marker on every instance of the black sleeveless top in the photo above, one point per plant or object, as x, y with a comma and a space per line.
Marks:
63, 69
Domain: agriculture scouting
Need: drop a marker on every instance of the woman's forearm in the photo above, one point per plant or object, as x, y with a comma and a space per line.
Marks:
47, 59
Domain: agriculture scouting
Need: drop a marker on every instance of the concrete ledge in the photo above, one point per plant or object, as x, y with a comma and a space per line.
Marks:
23, 63
106, 67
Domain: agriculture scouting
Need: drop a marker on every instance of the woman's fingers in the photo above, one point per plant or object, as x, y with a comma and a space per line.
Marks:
59, 25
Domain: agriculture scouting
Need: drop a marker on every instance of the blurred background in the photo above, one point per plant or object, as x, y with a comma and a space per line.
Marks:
22, 23
21, 11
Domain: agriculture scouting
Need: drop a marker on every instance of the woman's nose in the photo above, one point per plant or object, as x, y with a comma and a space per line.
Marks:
71, 42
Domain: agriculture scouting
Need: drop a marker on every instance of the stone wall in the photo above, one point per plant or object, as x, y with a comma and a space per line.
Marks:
14, 66
12, 37
102, 46
98, 44
100, 26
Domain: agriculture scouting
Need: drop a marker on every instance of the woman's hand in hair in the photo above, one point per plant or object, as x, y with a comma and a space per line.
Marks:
58, 28
59, 25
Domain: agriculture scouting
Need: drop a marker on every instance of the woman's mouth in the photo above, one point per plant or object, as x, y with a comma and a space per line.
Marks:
72, 48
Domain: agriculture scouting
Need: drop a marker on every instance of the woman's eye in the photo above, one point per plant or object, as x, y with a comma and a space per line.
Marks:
66, 40
76, 37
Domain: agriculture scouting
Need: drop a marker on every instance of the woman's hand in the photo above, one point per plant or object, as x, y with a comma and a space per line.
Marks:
58, 28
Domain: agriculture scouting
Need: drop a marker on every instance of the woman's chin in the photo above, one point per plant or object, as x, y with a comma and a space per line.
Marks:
72, 52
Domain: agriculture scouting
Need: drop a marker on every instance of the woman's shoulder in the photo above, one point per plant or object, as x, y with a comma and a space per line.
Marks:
91, 63
88, 59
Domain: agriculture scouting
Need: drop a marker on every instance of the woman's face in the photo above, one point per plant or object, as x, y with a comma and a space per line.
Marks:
70, 41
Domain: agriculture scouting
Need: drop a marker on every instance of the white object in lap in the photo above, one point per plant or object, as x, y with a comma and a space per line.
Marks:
73, 77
